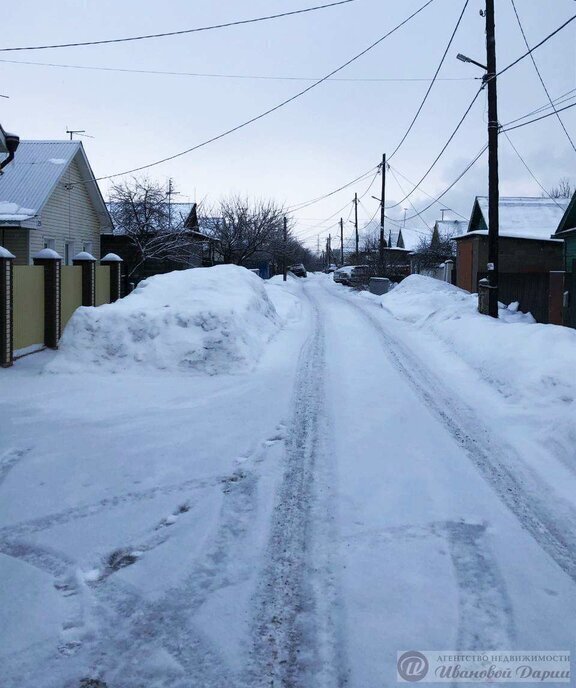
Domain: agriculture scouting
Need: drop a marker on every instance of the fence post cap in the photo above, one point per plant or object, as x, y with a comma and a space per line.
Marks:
485, 282
47, 254
5, 253
449, 261
111, 258
84, 256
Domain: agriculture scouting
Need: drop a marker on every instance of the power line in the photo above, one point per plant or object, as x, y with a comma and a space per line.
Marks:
531, 50
305, 204
485, 81
452, 135
413, 122
208, 75
409, 201
537, 119
530, 171
276, 107
453, 184
541, 77
425, 192
178, 33
569, 95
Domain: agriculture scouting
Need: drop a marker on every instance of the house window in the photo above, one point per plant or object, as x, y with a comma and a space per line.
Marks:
50, 243
69, 252
87, 246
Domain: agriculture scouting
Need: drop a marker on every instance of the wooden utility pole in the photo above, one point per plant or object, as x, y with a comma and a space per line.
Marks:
284, 250
493, 182
341, 242
382, 214
356, 222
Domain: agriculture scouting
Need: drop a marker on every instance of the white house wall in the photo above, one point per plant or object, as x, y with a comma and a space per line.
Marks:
68, 216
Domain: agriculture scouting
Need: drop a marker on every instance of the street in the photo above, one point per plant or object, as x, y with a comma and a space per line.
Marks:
297, 525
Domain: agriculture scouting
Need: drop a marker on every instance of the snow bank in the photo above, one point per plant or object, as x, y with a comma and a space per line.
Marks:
528, 361
207, 320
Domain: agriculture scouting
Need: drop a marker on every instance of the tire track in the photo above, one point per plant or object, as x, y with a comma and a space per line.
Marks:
294, 635
549, 519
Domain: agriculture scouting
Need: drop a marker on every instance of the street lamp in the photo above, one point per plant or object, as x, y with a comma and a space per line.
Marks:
463, 58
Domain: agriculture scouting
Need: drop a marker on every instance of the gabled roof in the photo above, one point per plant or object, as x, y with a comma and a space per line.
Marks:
405, 237
521, 217
451, 228
568, 221
29, 181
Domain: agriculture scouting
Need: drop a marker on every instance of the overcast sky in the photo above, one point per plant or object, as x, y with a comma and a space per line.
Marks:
315, 144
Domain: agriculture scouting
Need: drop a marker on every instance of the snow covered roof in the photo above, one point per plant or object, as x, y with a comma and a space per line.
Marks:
521, 217
410, 238
31, 178
451, 228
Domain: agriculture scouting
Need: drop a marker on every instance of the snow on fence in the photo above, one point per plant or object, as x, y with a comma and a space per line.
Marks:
36, 301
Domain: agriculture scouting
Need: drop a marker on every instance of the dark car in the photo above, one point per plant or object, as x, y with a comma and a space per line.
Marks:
299, 270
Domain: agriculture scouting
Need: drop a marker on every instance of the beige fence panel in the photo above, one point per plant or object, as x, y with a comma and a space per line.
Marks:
102, 284
28, 307
71, 291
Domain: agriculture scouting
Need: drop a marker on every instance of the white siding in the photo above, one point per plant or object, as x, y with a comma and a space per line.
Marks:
68, 215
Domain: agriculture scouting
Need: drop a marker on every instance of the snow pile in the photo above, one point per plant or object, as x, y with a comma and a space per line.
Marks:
12, 212
527, 361
208, 320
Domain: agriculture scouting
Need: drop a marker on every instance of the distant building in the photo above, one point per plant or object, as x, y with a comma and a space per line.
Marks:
49, 199
527, 250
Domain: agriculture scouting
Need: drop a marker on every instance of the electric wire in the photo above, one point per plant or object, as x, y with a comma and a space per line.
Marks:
180, 32
276, 107
530, 171
435, 161
541, 77
536, 119
430, 87
209, 75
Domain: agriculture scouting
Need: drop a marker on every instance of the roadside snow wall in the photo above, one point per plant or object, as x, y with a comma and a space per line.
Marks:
207, 320
533, 365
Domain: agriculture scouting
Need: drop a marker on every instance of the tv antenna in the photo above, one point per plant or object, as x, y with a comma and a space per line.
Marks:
79, 132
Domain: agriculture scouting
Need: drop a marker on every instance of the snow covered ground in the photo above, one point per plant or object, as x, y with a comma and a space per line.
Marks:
378, 474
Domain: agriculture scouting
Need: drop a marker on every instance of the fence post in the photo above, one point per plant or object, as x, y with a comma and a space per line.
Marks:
115, 264
88, 264
51, 262
448, 267
556, 298
6, 296
483, 296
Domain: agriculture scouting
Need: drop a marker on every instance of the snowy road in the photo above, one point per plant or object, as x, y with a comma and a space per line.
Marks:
296, 526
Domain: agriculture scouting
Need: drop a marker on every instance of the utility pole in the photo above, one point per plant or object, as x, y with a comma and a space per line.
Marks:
493, 190
169, 194
356, 222
329, 250
382, 214
284, 266
341, 242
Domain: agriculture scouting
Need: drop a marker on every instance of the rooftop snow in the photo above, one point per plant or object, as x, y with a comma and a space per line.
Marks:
527, 218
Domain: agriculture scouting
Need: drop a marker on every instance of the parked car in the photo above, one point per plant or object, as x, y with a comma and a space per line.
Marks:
299, 270
353, 275
330, 269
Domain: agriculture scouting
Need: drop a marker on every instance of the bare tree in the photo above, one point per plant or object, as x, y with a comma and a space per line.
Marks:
244, 228
140, 210
563, 190
434, 249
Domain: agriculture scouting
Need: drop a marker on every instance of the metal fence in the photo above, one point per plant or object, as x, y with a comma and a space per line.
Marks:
530, 289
